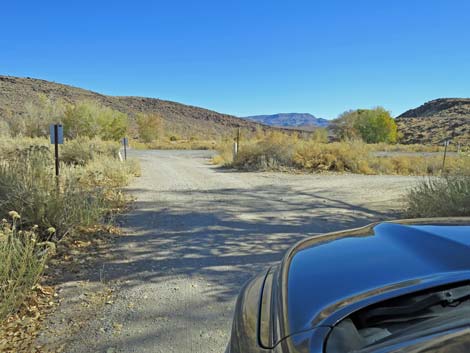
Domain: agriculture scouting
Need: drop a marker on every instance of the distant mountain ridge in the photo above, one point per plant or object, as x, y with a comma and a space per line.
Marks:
435, 121
290, 120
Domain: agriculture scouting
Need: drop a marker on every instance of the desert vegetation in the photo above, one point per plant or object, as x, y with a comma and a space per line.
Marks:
278, 151
447, 196
40, 210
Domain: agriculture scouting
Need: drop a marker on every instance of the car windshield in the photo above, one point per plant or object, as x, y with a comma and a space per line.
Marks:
405, 317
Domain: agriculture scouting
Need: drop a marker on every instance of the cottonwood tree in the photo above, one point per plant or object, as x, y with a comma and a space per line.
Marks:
370, 125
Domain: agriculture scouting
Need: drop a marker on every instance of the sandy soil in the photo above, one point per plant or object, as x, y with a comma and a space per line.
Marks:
197, 233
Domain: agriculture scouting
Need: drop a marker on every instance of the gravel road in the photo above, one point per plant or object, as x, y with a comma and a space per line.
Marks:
197, 233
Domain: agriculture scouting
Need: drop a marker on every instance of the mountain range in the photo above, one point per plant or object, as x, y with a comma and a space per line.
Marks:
289, 120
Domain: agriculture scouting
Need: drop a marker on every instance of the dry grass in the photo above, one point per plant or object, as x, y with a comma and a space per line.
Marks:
279, 151
23, 260
87, 193
447, 196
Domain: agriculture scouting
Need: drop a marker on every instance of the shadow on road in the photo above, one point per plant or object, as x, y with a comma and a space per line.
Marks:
226, 242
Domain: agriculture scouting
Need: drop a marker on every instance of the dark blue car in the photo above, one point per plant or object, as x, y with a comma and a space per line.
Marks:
389, 287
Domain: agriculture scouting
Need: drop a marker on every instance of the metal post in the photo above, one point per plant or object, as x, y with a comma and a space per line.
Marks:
238, 139
56, 149
446, 143
125, 149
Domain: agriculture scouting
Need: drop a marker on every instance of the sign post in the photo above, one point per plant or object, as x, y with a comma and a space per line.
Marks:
57, 137
236, 144
125, 142
446, 144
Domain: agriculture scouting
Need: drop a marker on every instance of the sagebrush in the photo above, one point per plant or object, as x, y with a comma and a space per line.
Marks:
45, 208
447, 196
277, 151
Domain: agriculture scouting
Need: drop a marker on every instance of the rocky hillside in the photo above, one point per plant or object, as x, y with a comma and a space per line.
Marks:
436, 120
179, 118
290, 120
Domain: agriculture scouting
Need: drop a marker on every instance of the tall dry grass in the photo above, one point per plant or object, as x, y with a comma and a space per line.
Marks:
86, 194
277, 151
23, 260
447, 196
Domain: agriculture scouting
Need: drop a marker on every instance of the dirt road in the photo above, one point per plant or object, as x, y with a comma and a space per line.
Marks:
197, 233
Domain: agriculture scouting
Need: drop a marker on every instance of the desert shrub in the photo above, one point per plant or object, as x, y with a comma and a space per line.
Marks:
23, 260
107, 172
273, 152
86, 189
28, 185
82, 150
224, 154
11, 148
277, 151
149, 126
76, 152
440, 197
40, 113
320, 135
339, 157
387, 147
92, 119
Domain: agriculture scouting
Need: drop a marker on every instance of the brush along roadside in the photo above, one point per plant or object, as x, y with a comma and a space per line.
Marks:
41, 213
278, 152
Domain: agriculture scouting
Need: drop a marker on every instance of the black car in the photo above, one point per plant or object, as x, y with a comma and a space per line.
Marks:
389, 287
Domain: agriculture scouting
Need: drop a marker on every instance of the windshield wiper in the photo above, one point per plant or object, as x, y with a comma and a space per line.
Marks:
416, 308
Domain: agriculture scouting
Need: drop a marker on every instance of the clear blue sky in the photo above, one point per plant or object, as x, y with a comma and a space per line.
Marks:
246, 57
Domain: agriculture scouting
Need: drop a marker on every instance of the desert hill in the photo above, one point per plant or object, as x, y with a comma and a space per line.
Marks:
182, 119
436, 120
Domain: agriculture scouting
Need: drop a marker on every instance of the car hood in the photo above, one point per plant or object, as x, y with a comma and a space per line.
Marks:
326, 278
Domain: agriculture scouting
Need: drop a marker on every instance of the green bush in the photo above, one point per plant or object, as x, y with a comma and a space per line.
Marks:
371, 125
92, 119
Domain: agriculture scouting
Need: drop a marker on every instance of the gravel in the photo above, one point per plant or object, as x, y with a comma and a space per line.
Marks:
196, 233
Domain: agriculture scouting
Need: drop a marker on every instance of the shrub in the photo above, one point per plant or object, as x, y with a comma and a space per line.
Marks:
149, 126
440, 197
23, 260
40, 113
278, 151
320, 135
83, 150
274, 152
28, 185
91, 119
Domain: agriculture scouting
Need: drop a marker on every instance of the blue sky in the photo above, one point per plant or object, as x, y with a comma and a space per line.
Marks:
246, 57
